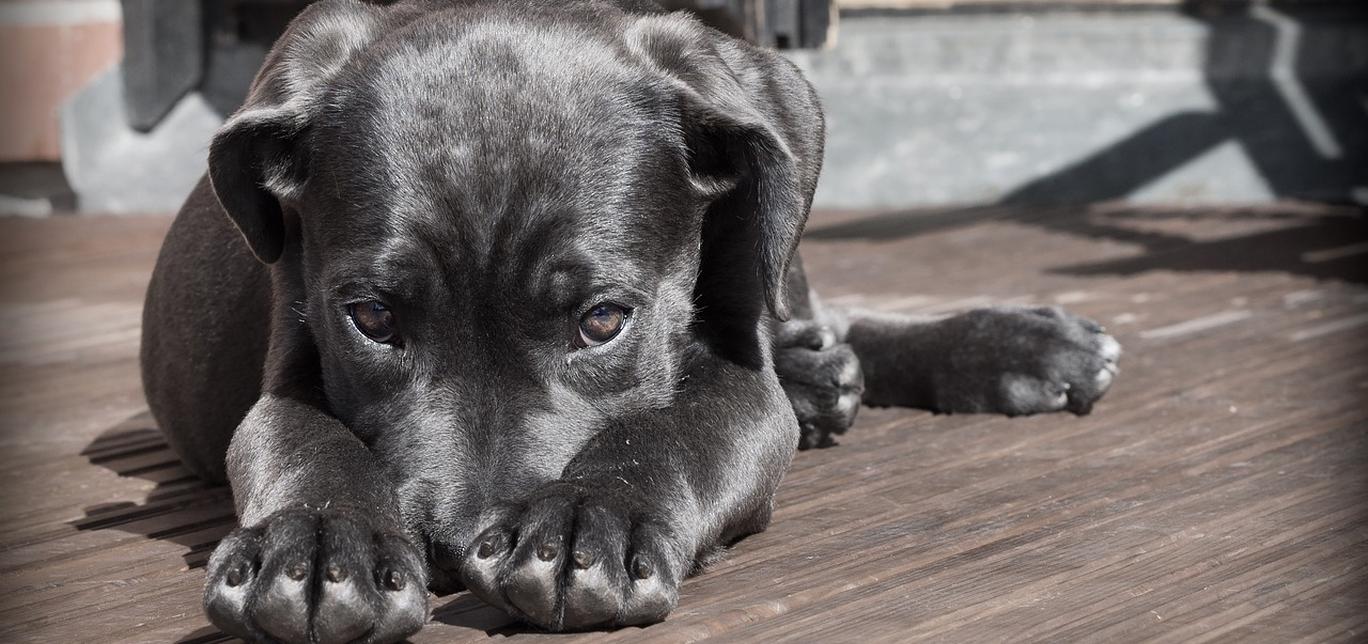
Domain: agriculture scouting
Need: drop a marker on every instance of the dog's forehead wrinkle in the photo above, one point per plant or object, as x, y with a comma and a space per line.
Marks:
475, 152
488, 77
397, 263
480, 119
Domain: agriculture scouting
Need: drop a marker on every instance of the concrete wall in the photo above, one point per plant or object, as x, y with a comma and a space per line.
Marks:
1070, 106
984, 104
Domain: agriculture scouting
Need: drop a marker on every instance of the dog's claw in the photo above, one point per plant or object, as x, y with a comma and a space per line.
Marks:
236, 575
547, 551
642, 568
297, 571
337, 574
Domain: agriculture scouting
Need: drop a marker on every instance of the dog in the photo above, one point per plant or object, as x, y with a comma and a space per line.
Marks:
504, 296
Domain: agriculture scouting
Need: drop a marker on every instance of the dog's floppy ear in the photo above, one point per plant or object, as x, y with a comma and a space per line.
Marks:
256, 159
754, 132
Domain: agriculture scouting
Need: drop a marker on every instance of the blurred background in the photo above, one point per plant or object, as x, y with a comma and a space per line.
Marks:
108, 105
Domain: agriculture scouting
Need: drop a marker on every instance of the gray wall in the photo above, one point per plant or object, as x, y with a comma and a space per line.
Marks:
1148, 105
981, 107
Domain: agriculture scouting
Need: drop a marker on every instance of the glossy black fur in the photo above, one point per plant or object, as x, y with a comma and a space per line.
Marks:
490, 170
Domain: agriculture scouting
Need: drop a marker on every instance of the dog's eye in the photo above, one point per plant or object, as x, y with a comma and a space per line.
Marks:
374, 320
601, 324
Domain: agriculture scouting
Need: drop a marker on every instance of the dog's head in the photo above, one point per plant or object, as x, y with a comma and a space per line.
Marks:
502, 229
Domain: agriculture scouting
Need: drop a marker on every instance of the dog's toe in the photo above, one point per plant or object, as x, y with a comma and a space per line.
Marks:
1092, 368
1108, 348
233, 571
344, 615
653, 588
593, 592
596, 580
347, 601
1025, 394
283, 609
398, 578
531, 590
1103, 380
281, 606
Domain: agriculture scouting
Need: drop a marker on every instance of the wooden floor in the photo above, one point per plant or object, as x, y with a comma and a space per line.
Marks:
1218, 492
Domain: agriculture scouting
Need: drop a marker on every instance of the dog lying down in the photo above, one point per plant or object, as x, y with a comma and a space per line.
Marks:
503, 296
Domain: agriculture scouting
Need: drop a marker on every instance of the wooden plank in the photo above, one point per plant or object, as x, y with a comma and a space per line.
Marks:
1216, 493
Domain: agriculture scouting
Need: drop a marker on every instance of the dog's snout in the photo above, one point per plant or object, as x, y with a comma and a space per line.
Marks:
444, 565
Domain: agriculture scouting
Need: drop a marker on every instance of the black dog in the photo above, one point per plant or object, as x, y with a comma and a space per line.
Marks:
515, 312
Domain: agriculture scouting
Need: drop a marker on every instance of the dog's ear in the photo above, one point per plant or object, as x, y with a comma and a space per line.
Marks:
754, 130
257, 159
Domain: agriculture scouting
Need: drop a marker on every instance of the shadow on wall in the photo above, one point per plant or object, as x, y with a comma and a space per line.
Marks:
1305, 132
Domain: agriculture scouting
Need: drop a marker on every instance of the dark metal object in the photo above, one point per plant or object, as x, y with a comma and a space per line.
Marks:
163, 56
782, 24
176, 46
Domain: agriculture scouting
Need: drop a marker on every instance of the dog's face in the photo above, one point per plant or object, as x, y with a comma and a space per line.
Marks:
499, 232
498, 275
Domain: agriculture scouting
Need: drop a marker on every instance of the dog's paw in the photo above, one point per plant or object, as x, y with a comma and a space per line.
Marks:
822, 378
1020, 361
316, 576
575, 559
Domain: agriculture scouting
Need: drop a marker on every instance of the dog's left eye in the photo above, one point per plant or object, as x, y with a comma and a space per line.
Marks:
601, 324
374, 320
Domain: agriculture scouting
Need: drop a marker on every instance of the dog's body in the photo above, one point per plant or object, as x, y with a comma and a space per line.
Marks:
508, 317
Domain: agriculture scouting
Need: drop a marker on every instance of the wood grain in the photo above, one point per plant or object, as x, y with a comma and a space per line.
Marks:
1217, 493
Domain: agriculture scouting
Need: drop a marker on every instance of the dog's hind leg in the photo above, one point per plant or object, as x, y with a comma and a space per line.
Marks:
1013, 361
205, 330
1005, 360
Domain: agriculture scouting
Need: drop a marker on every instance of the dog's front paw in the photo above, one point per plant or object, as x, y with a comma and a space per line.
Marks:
576, 558
316, 576
822, 379
1020, 361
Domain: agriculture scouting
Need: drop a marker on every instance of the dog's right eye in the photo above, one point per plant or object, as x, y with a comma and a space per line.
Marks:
601, 324
374, 320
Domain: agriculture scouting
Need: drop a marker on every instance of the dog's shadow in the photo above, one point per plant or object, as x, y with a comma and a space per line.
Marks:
466, 611
180, 508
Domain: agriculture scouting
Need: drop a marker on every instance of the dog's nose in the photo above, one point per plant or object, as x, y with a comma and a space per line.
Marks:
444, 564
